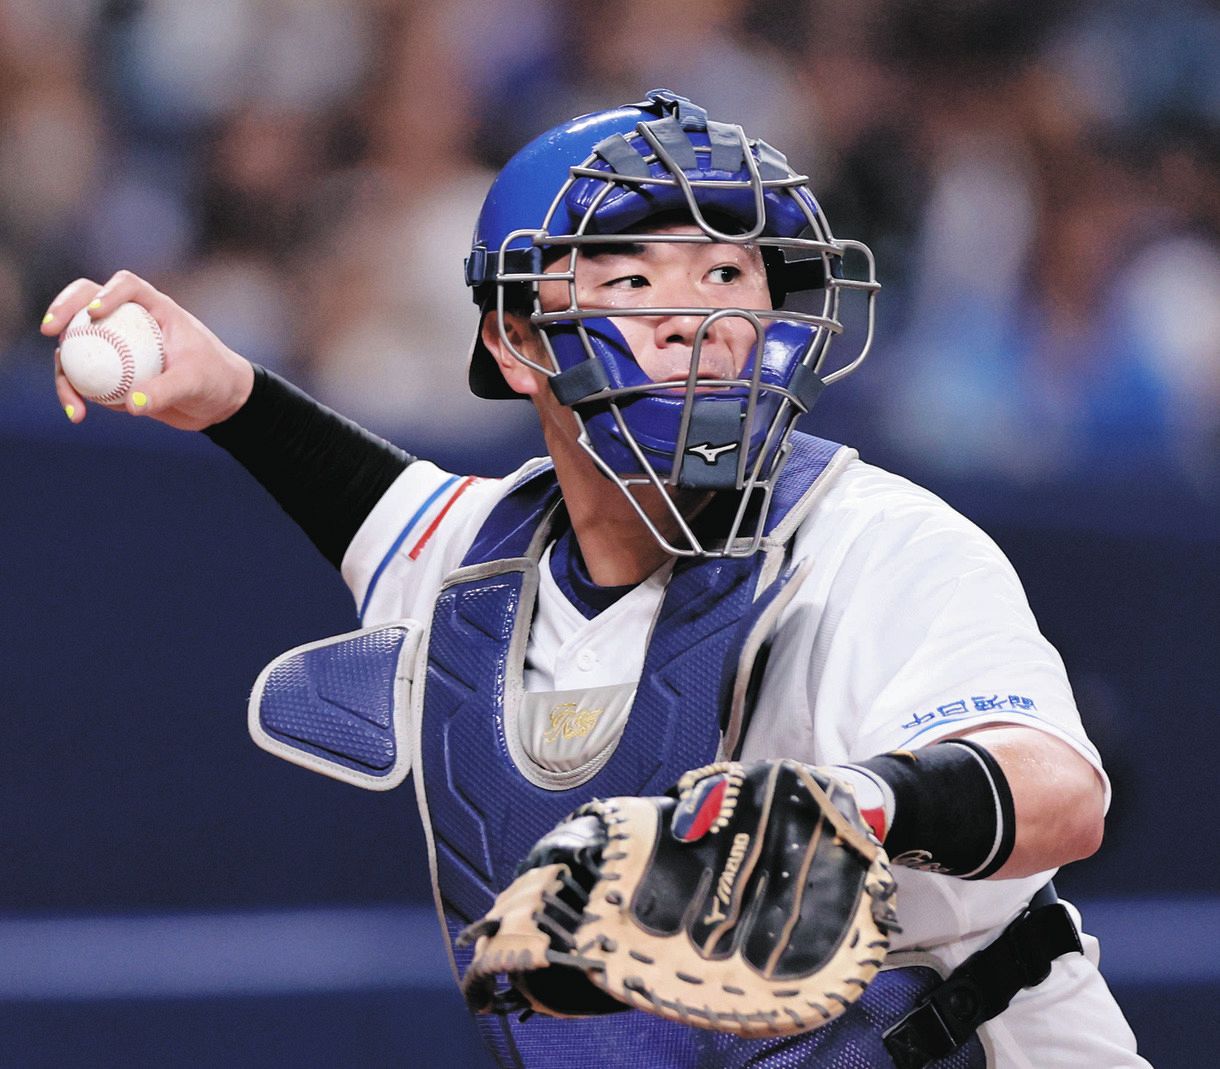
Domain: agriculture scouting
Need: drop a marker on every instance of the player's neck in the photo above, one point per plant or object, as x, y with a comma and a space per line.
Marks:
617, 546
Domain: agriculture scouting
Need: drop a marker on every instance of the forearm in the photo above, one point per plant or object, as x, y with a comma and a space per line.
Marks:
326, 472
1002, 803
1057, 795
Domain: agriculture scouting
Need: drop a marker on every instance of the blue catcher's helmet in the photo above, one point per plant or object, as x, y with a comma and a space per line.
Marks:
600, 180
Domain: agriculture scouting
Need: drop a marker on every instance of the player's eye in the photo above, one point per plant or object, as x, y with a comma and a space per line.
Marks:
725, 274
630, 282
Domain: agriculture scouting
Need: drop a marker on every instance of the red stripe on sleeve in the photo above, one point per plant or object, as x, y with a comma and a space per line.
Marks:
418, 548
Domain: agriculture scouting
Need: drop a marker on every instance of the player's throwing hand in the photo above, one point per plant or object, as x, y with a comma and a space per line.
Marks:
203, 381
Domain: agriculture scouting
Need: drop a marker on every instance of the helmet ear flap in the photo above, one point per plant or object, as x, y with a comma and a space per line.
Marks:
481, 270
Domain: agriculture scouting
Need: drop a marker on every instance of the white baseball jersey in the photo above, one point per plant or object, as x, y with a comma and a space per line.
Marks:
910, 626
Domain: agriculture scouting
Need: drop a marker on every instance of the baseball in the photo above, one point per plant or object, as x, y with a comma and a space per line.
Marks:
105, 359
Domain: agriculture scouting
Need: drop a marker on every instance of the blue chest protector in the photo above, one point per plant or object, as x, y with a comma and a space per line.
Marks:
483, 814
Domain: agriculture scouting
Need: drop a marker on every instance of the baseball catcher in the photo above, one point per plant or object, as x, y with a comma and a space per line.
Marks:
685, 581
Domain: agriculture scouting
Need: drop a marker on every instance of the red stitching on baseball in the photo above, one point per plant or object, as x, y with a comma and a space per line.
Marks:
156, 331
121, 347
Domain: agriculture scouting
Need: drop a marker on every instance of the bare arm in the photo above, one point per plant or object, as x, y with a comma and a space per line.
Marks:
1057, 795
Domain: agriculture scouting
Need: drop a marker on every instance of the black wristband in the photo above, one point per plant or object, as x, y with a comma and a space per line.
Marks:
953, 809
326, 472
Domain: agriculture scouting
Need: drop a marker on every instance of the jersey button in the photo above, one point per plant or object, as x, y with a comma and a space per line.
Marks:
586, 660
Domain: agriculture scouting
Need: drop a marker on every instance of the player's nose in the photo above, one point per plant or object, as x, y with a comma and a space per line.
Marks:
724, 347
681, 330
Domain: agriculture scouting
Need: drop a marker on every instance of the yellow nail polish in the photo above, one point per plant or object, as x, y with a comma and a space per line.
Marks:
47, 318
94, 305
139, 399
70, 410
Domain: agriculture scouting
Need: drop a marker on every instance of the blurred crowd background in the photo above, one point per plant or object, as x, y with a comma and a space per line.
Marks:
1038, 180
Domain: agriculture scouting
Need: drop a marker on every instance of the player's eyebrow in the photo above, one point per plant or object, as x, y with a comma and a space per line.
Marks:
627, 248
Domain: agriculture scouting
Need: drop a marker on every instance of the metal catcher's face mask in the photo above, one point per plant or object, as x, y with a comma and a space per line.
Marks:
622, 179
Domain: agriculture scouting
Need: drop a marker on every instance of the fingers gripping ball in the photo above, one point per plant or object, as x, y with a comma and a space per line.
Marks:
752, 899
105, 359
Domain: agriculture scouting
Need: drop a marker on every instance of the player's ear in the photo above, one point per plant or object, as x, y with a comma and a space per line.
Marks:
520, 333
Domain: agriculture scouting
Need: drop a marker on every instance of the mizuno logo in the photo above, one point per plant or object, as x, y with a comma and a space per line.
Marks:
724, 886
710, 452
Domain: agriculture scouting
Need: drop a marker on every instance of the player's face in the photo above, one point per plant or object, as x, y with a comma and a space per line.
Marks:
672, 275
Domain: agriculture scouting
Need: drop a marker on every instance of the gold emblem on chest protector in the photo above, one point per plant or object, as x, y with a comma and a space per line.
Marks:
568, 721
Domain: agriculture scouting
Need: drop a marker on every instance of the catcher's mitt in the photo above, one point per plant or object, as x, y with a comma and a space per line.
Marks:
755, 901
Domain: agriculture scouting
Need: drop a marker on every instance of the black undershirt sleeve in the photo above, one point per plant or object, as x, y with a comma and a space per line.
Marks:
326, 472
